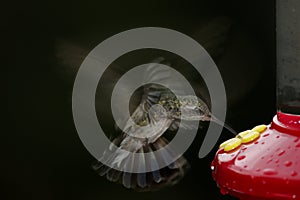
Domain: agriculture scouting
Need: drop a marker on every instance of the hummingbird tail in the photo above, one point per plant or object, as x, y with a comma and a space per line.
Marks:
155, 179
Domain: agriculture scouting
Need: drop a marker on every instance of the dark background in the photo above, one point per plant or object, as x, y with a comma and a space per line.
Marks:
43, 157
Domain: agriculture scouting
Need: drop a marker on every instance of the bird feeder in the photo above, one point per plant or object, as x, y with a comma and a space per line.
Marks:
263, 163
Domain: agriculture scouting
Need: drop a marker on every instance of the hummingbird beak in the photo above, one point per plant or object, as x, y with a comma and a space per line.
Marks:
219, 122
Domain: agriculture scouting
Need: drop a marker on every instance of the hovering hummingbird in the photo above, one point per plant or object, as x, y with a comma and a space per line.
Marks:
159, 110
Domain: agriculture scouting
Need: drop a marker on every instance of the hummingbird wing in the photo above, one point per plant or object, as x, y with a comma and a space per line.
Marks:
150, 96
158, 81
166, 77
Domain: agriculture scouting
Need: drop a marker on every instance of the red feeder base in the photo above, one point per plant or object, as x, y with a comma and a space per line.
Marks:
265, 168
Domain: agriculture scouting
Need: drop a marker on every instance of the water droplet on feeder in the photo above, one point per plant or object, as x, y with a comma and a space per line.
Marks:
270, 171
223, 191
288, 163
294, 173
241, 157
281, 152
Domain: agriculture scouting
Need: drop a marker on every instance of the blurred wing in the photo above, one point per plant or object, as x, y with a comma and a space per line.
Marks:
165, 76
214, 35
151, 93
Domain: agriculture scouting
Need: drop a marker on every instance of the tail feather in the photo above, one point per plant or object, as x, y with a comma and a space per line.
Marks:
101, 168
154, 166
127, 178
127, 181
141, 177
156, 176
113, 175
166, 155
153, 180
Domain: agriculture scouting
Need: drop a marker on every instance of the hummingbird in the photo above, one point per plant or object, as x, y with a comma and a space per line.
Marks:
158, 111
220, 36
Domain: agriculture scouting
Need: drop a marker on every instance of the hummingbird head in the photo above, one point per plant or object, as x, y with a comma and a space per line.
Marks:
193, 108
194, 113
